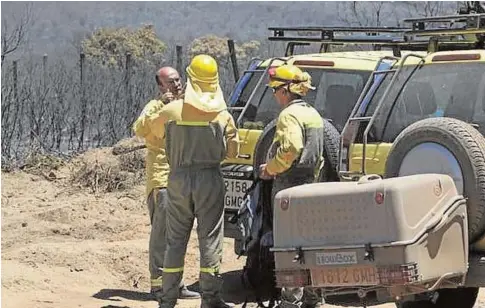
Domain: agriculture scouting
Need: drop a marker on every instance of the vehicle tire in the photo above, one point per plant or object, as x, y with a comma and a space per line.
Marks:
461, 150
448, 298
262, 146
331, 141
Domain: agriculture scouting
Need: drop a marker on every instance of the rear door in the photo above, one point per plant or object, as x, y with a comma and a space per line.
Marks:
376, 152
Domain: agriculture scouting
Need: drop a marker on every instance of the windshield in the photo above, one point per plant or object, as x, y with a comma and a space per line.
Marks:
336, 94
455, 90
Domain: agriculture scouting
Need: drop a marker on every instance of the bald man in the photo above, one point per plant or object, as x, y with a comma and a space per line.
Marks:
169, 84
170, 87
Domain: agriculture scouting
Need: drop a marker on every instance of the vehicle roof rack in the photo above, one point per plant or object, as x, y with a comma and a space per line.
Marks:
468, 29
418, 37
368, 35
461, 24
326, 36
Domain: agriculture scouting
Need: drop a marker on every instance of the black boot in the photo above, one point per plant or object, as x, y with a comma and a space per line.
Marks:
216, 303
156, 294
187, 294
317, 305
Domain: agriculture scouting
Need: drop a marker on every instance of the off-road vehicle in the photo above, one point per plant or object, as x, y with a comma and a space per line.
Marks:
339, 78
416, 237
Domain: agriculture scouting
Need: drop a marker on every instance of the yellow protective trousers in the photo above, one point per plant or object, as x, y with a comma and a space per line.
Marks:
157, 208
195, 190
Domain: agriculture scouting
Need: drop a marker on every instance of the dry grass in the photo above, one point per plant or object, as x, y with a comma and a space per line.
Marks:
132, 162
39, 163
128, 145
101, 171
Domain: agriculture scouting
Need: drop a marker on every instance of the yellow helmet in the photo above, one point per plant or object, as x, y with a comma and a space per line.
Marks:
203, 69
284, 75
299, 82
202, 88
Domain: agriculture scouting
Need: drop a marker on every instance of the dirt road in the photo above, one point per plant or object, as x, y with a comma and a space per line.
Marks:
66, 247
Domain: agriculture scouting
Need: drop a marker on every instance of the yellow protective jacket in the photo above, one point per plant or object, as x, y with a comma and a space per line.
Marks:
298, 140
157, 168
182, 111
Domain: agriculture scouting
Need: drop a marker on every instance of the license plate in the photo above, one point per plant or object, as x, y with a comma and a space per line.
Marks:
235, 191
362, 275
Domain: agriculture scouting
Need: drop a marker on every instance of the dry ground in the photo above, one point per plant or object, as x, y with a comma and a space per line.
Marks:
70, 246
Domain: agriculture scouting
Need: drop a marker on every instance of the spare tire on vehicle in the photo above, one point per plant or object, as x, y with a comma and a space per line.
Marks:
331, 142
262, 146
445, 146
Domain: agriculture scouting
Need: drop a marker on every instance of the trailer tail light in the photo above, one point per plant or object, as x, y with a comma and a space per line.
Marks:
293, 278
457, 57
398, 274
313, 63
379, 197
285, 204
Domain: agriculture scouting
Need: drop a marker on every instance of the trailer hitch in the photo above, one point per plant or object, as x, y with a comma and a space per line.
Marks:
362, 294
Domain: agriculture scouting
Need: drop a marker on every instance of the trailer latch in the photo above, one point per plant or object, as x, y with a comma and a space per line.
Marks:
299, 257
369, 252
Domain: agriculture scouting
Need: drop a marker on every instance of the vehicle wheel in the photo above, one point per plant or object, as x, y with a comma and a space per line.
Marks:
445, 146
262, 146
448, 298
331, 141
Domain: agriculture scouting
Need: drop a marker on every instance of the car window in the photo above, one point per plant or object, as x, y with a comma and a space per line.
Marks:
248, 89
334, 97
373, 97
245, 94
337, 94
451, 90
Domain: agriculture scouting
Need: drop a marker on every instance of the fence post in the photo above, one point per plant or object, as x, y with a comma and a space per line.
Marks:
15, 79
178, 50
232, 54
130, 110
172, 57
83, 100
16, 101
128, 66
44, 70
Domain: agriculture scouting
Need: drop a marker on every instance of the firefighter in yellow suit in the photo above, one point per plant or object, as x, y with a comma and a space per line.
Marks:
199, 134
296, 154
170, 87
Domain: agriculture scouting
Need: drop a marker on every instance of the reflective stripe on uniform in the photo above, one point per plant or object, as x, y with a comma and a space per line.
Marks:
173, 269
192, 123
155, 195
156, 282
209, 270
